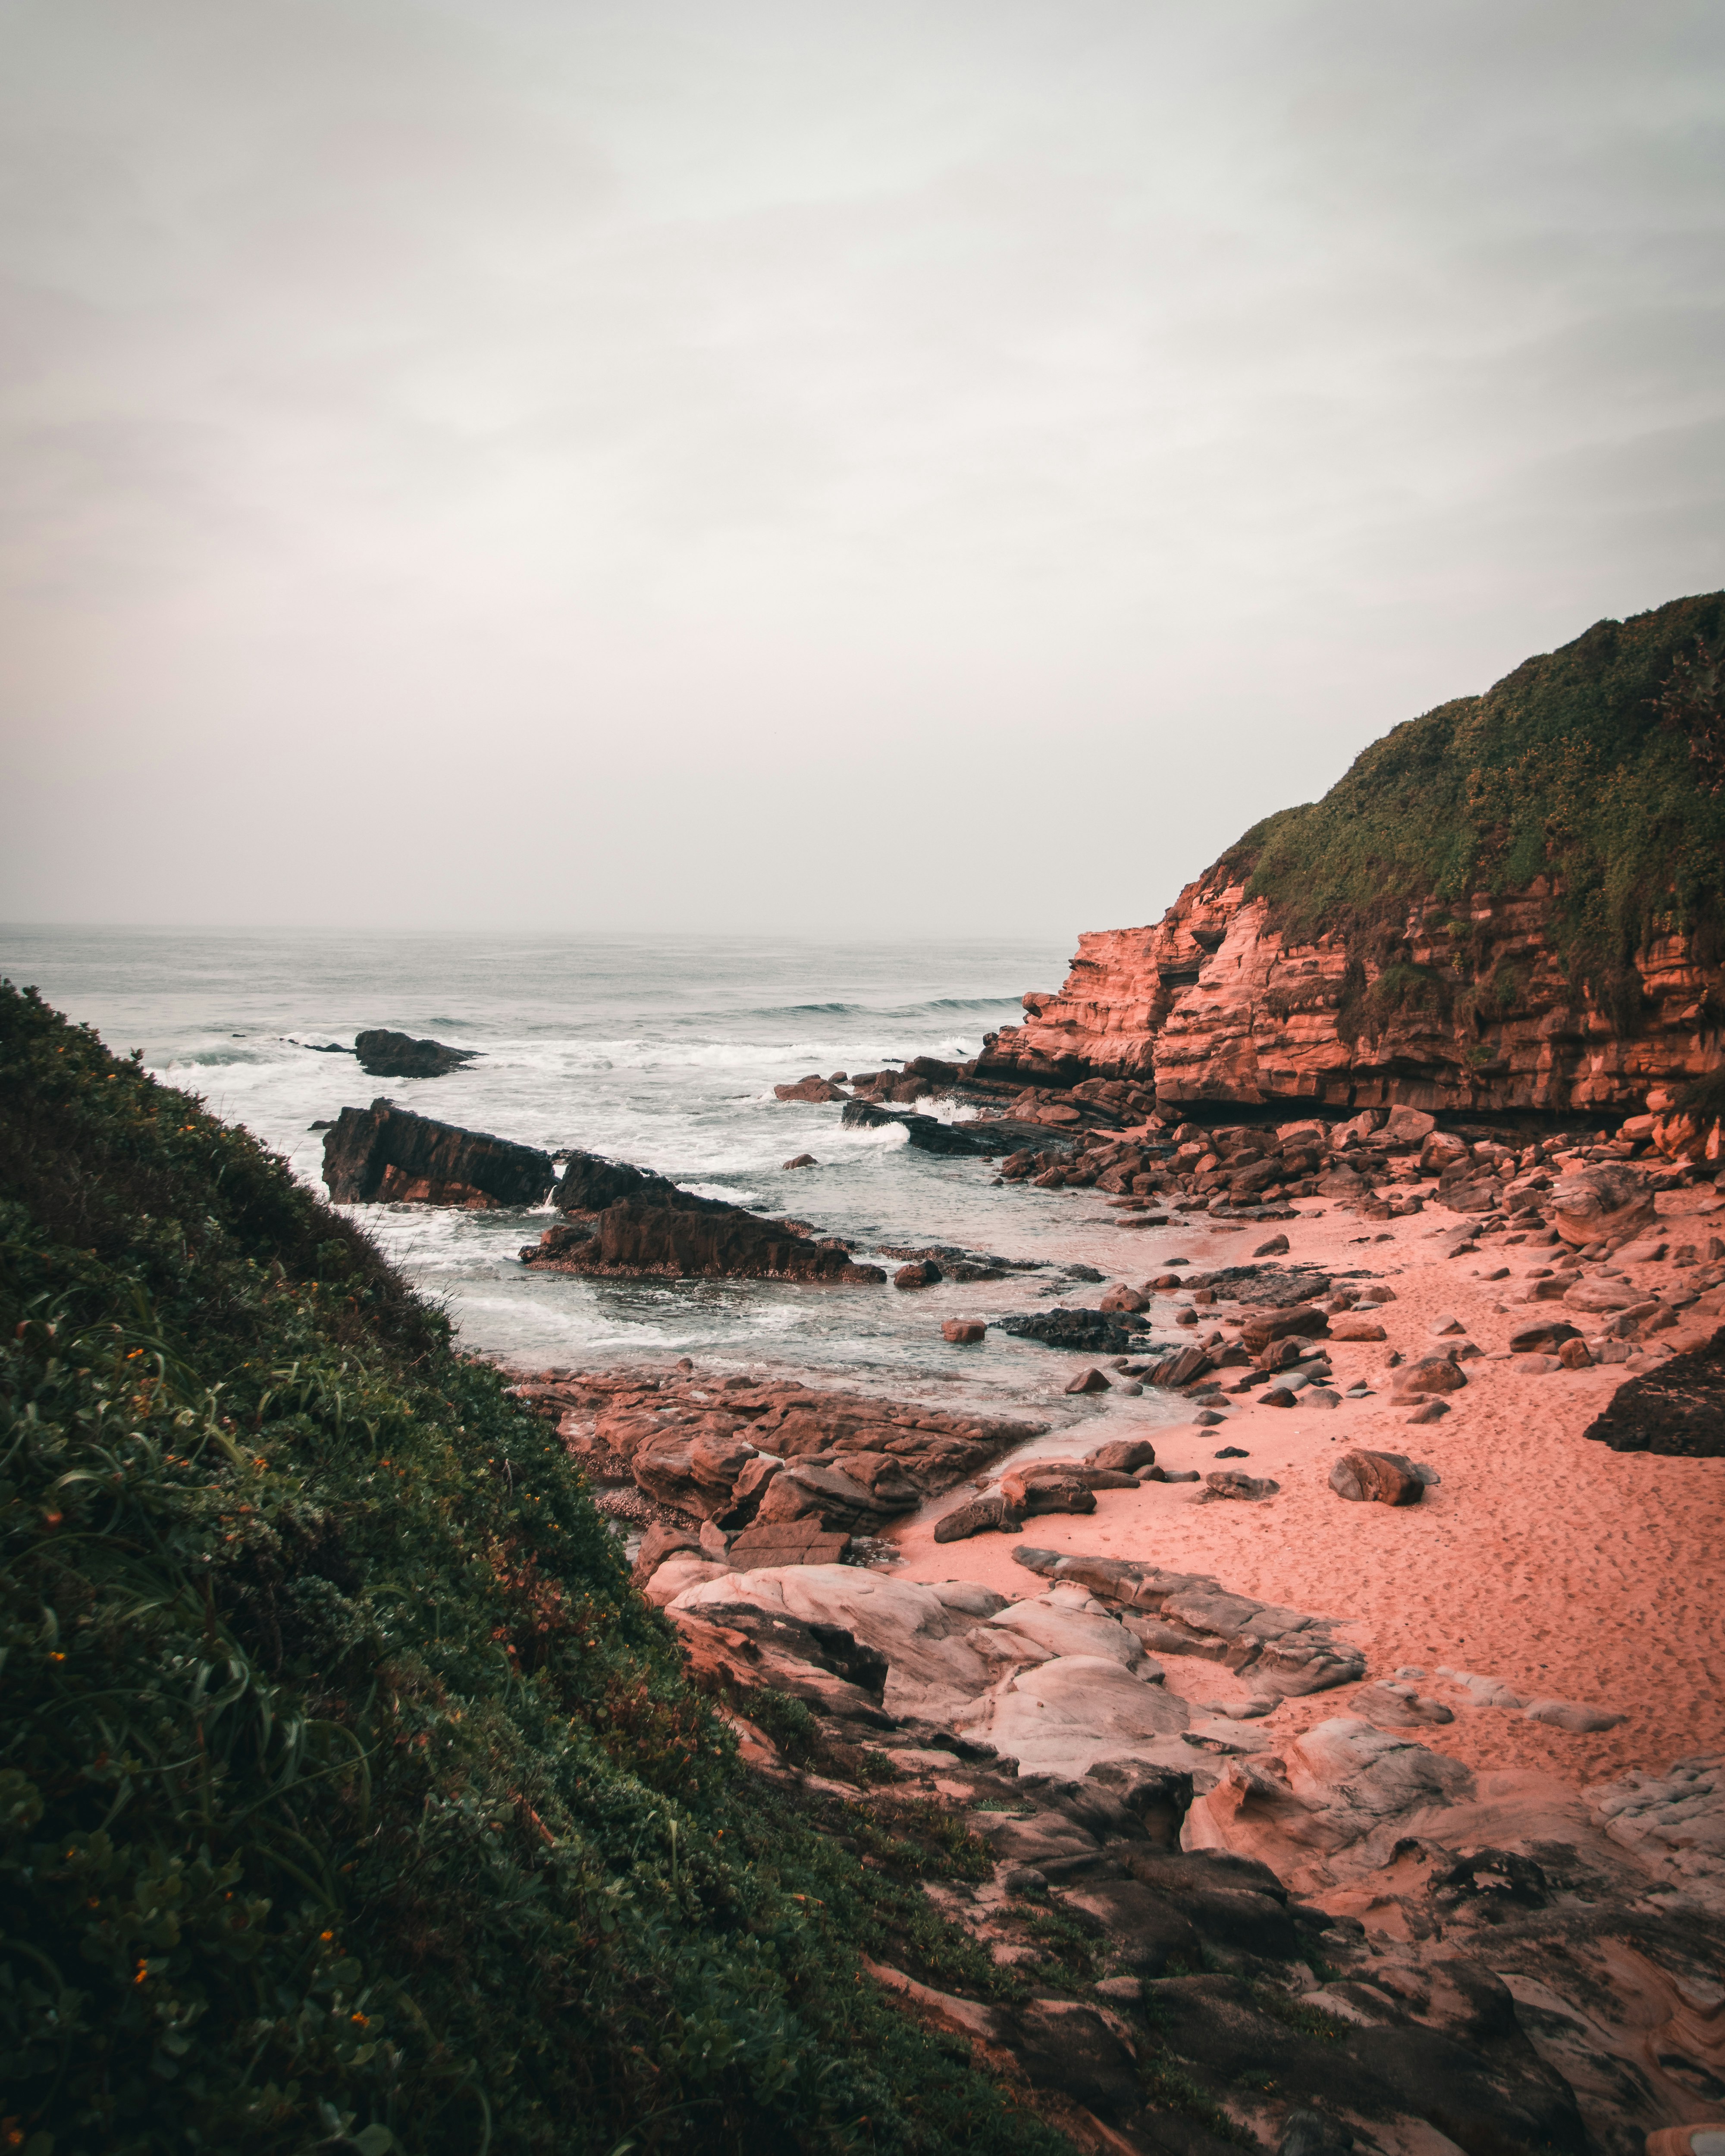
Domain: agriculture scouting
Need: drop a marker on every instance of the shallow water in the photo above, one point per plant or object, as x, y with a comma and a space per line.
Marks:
660, 1051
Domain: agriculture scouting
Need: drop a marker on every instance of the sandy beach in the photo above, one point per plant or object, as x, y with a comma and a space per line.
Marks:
1548, 1561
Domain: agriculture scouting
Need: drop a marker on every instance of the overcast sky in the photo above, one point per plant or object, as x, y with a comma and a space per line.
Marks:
767, 464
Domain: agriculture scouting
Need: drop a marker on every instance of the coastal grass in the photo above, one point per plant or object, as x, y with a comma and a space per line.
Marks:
1597, 767
349, 1798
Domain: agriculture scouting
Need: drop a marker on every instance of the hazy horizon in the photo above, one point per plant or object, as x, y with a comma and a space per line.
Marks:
806, 471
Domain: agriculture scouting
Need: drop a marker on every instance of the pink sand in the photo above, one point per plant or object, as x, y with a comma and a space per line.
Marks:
1565, 1569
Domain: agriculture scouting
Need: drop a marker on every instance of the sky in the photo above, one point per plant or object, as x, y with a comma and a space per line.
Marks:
784, 466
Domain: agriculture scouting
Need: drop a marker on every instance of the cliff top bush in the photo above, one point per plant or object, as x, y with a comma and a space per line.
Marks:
350, 1799
1597, 765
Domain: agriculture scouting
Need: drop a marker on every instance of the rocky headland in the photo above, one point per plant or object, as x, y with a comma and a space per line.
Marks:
1514, 903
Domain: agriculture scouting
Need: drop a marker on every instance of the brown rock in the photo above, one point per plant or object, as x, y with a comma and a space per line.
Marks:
1545, 1338
1260, 1326
1043, 1486
1088, 1381
366, 1147
989, 1514
1345, 1328
814, 1087
1182, 1367
1594, 1203
1431, 1374
1573, 1355
786, 1541
964, 1331
1124, 1454
801, 1160
921, 1272
1122, 1297
1230, 1483
1381, 1478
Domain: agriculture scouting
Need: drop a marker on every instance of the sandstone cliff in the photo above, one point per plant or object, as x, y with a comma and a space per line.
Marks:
1515, 902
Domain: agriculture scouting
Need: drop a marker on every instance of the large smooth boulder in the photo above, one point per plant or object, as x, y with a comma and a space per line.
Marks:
1595, 1203
1063, 1716
1430, 1374
383, 1154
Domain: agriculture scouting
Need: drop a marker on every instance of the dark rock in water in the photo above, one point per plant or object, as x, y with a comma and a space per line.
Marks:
1677, 1409
626, 1220
1086, 1330
384, 1153
385, 1054
929, 1134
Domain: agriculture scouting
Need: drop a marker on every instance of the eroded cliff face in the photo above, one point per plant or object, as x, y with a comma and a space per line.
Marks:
1450, 1009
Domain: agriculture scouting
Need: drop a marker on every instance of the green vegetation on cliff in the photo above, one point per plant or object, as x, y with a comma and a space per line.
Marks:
1597, 765
349, 1798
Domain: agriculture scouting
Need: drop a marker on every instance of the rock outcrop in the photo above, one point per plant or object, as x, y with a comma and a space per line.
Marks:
1431, 931
384, 1154
766, 1460
385, 1054
627, 1221
1311, 1942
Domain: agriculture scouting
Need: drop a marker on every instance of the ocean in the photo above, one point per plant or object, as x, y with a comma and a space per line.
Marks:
659, 1051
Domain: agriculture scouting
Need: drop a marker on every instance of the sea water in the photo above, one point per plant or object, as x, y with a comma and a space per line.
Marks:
662, 1051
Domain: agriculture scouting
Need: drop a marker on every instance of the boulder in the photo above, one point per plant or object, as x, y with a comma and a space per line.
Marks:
1381, 1478
921, 1272
383, 1152
1122, 1297
1230, 1482
814, 1088
385, 1054
1182, 1367
1124, 1454
964, 1331
1431, 1374
1594, 1203
1541, 1339
1350, 1328
1407, 1126
801, 1160
1262, 1324
1046, 1486
690, 1238
1087, 1381
988, 1514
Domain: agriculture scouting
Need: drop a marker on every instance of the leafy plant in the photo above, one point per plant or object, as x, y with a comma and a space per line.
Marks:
349, 1798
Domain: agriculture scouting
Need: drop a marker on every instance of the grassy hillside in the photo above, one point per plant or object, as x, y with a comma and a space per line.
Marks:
1598, 764
349, 1799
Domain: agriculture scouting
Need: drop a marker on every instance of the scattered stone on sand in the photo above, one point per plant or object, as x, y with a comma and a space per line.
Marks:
1379, 1478
1431, 1374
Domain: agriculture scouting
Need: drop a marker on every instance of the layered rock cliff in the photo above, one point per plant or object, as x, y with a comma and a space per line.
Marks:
1516, 901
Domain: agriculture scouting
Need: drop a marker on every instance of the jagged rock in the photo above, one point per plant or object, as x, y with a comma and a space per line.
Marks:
385, 1054
1085, 1330
1188, 1612
1183, 1367
1677, 1409
814, 1088
383, 1154
639, 1224
1087, 1381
